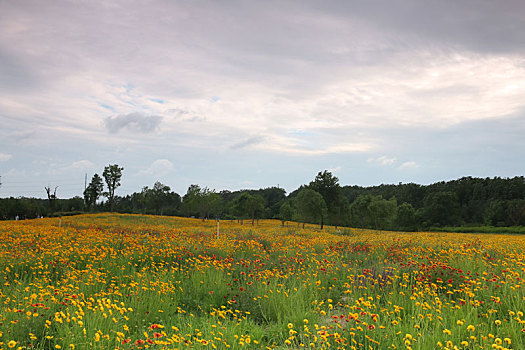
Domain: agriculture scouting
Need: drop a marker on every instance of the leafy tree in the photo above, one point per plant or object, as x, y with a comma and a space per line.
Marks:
238, 206
442, 209
406, 217
495, 214
327, 185
93, 191
157, 197
286, 212
516, 212
254, 207
382, 211
359, 213
311, 206
112, 174
201, 201
248, 206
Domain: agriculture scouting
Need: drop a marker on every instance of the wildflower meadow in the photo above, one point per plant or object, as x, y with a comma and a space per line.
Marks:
114, 281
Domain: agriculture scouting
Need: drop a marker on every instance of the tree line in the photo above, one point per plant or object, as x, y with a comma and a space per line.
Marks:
465, 201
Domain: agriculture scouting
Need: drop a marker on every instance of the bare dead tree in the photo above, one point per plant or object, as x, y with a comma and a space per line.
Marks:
51, 198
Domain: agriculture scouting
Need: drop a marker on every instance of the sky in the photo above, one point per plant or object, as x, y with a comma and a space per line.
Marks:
252, 94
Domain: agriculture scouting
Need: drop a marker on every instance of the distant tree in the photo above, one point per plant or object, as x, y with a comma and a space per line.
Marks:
93, 191
286, 212
359, 212
406, 217
382, 211
442, 209
311, 206
495, 214
51, 197
254, 207
327, 185
112, 174
238, 206
157, 197
246, 205
201, 201
516, 212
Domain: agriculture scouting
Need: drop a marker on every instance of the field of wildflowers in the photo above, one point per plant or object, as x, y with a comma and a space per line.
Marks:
109, 281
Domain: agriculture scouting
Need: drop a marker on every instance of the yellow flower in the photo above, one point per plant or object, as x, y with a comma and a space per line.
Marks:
471, 328
464, 343
97, 337
11, 344
447, 332
497, 322
290, 325
507, 340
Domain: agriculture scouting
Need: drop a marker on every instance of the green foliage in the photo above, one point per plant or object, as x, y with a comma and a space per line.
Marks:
406, 217
112, 175
202, 202
93, 191
286, 212
441, 209
248, 206
369, 211
311, 206
327, 185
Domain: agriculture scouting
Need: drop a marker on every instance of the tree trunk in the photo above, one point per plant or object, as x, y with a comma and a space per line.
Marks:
322, 222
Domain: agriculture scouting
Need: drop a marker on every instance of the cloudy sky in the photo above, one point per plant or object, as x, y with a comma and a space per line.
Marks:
251, 94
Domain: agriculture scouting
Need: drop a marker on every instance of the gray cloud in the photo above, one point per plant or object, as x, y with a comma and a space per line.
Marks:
133, 121
429, 82
248, 142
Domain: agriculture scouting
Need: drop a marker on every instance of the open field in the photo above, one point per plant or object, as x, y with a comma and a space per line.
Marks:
127, 281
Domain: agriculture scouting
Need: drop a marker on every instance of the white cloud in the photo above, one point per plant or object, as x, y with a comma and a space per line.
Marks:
5, 157
335, 169
160, 168
82, 165
383, 160
408, 165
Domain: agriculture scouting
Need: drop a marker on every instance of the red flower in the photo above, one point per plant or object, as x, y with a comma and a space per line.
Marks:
157, 335
125, 341
140, 342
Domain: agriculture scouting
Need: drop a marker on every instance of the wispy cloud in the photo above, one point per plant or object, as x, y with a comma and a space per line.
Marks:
134, 122
5, 157
248, 142
159, 168
408, 165
383, 160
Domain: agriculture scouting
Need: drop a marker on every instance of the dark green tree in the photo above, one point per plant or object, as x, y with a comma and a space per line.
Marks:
157, 197
93, 191
112, 175
382, 211
254, 207
442, 209
286, 212
200, 201
406, 217
327, 185
311, 206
